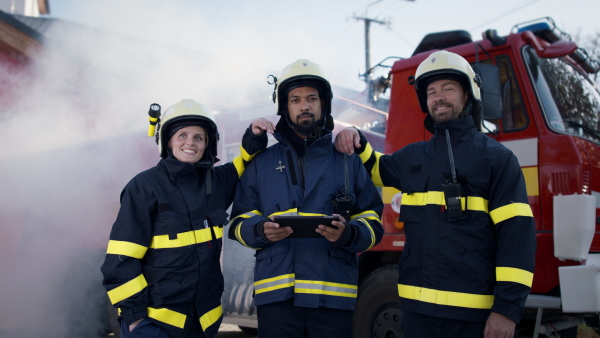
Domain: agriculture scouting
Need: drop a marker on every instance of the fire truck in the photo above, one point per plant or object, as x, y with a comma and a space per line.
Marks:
540, 102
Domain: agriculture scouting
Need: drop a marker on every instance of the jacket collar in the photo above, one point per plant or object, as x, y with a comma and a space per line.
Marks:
461, 127
176, 168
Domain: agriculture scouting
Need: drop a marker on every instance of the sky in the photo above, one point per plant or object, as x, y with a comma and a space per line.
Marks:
273, 33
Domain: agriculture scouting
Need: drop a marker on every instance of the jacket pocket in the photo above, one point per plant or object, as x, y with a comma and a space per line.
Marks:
344, 256
161, 292
275, 251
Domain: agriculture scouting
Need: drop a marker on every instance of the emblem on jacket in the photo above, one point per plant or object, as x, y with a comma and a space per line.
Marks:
280, 167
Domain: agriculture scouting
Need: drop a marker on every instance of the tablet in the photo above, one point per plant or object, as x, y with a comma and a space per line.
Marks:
304, 226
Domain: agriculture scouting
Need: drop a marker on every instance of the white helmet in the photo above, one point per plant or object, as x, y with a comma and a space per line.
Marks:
303, 73
183, 114
447, 65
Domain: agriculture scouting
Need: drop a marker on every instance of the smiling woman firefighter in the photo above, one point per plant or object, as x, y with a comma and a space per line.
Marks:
162, 266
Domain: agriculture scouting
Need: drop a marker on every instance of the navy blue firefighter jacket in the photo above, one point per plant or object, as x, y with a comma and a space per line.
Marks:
483, 259
314, 272
162, 260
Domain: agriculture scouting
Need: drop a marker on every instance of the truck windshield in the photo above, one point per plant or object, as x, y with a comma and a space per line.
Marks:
569, 100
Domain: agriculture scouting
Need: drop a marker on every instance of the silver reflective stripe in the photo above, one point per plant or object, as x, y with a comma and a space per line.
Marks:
275, 283
326, 288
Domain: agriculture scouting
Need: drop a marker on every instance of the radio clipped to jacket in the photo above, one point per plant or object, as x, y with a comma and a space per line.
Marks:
452, 191
343, 200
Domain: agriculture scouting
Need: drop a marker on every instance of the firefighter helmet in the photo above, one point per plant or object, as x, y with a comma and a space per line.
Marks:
447, 65
183, 114
303, 73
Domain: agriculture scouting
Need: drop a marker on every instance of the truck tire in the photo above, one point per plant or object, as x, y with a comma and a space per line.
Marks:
377, 312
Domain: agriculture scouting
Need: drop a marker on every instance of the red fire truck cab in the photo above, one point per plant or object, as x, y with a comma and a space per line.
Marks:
543, 106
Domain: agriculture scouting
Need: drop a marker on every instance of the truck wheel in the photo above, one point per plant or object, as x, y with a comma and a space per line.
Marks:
378, 311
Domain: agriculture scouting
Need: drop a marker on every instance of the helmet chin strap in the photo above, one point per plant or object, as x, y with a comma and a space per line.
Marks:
467, 109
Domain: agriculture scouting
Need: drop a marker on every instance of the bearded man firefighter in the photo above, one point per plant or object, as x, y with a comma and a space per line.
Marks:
468, 262
305, 287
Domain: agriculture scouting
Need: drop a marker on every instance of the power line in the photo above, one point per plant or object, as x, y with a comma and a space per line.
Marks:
487, 22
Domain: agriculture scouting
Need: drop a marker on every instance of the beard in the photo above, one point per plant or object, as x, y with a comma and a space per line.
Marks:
306, 126
450, 116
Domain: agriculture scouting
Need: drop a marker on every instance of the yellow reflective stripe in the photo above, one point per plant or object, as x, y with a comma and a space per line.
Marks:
170, 317
423, 198
506, 274
204, 235
211, 317
437, 198
274, 283
163, 241
126, 249
511, 210
366, 154
238, 229
185, 238
127, 290
239, 165
368, 214
375, 171
371, 231
310, 214
450, 298
246, 215
238, 234
326, 288
244, 154
476, 203
364, 216
289, 212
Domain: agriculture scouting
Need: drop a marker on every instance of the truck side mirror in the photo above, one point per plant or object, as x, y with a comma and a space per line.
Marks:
559, 49
491, 98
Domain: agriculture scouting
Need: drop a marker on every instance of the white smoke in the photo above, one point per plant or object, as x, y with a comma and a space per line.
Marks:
73, 134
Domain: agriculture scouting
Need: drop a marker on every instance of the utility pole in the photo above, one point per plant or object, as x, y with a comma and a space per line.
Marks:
367, 74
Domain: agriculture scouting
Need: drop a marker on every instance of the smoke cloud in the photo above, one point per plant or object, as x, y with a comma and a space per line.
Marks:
74, 133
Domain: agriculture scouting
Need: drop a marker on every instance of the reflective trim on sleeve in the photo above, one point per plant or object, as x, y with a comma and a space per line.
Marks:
126, 249
240, 166
246, 215
275, 283
167, 316
506, 274
366, 154
510, 210
368, 214
450, 298
244, 154
238, 228
127, 289
375, 171
211, 317
185, 238
368, 225
326, 288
